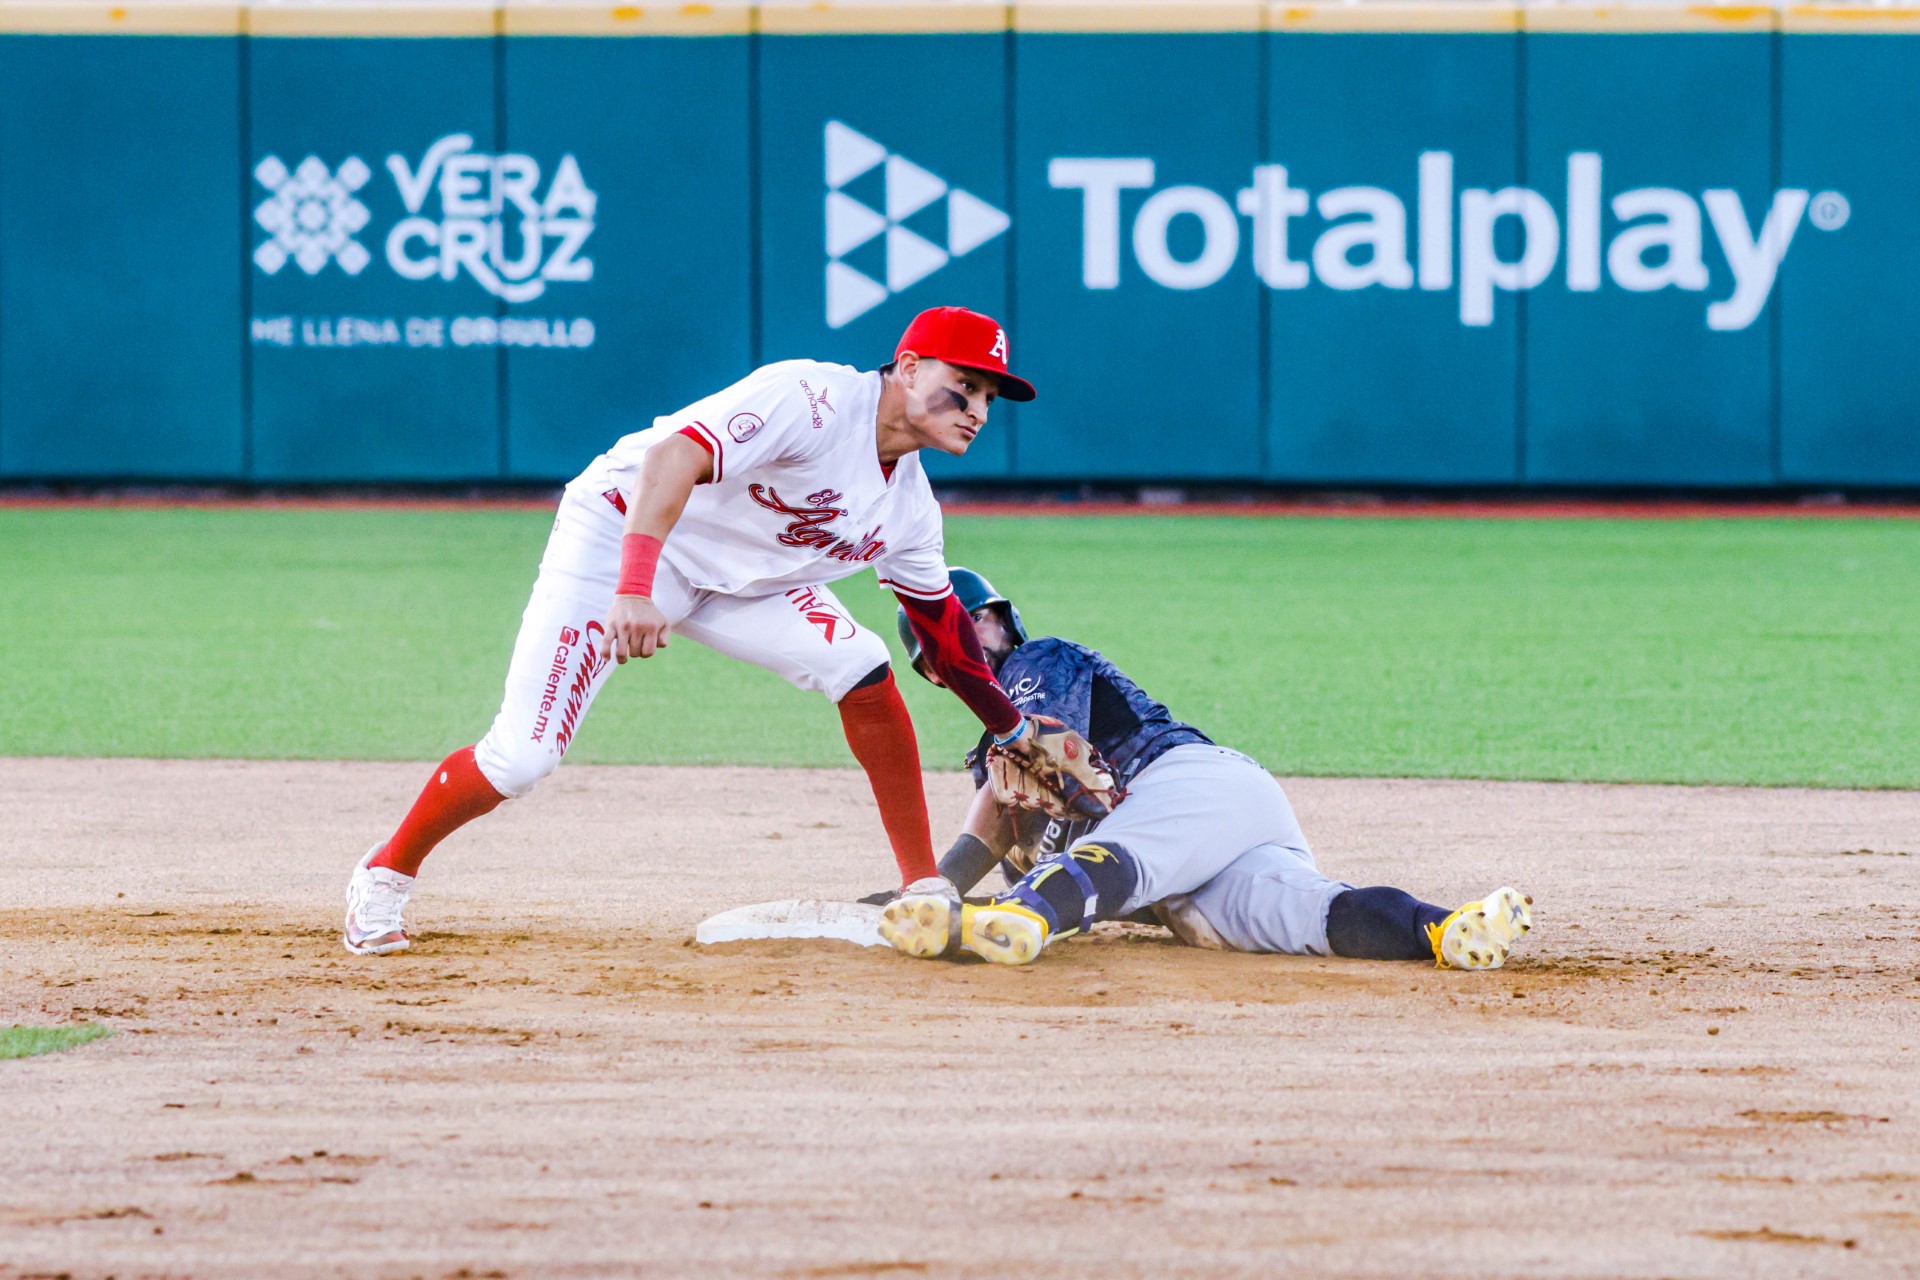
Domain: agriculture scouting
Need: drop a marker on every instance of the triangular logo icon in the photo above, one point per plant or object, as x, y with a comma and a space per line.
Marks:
911, 257
850, 294
849, 154
971, 222
910, 188
850, 224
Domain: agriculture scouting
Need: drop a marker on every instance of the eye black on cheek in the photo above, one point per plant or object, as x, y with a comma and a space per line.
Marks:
955, 399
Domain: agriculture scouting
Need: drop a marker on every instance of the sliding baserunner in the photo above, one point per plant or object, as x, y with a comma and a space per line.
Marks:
1202, 835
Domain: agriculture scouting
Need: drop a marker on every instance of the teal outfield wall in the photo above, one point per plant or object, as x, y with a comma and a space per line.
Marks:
1683, 257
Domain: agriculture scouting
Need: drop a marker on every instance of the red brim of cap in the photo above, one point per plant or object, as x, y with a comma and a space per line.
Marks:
1019, 390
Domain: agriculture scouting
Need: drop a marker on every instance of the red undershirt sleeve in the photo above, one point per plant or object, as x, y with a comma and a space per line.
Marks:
947, 637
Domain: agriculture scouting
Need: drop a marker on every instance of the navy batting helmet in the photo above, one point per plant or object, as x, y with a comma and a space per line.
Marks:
975, 592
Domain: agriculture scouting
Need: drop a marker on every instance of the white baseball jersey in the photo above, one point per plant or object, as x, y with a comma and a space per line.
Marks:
798, 497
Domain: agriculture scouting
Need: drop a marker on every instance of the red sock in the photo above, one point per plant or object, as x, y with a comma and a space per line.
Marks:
456, 794
881, 735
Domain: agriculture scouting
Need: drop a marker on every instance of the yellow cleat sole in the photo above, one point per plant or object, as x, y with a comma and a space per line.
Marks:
919, 926
925, 927
1481, 934
1002, 935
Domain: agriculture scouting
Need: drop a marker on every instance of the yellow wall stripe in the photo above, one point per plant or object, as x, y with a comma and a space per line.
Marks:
1601, 19
1394, 15
393, 20
129, 18
1138, 15
564, 18
480, 18
933, 17
1851, 19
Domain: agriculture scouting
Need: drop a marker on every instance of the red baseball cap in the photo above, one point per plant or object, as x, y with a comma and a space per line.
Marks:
966, 338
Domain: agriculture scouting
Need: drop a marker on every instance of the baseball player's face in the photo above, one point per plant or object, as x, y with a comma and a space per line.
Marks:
996, 638
947, 404
996, 642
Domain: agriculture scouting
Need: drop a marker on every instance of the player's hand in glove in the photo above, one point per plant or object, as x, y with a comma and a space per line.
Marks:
1052, 767
635, 629
1016, 785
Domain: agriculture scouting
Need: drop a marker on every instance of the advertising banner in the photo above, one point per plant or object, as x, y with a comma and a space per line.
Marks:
1136, 310
879, 199
654, 308
1656, 227
121, 331
1391, 358
1849, 309
1390, 243
389, 237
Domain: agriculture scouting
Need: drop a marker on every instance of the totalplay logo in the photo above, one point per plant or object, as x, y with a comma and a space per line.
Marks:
920, 223
1477, 241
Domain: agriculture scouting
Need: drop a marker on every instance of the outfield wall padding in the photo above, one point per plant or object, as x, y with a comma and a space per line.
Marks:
1384, 243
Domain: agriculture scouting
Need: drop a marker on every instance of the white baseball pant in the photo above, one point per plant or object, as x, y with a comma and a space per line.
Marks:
805, 636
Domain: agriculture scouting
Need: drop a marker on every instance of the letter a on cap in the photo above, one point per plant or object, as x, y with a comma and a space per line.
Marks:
999, 347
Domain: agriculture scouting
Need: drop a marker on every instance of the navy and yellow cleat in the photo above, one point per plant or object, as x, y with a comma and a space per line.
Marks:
1480, 934
930, 925
1003, 932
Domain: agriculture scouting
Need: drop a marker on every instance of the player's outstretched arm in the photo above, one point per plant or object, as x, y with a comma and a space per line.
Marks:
635, 626
1049, 752
952, 649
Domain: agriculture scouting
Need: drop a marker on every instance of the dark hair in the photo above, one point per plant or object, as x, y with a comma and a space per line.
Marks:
888, 366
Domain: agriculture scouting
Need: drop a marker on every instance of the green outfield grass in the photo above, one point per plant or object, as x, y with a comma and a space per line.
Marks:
1736, 651
28, 1042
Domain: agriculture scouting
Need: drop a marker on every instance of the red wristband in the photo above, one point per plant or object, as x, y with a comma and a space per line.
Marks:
639, 556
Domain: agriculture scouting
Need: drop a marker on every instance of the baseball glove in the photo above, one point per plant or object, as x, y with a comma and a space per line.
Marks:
1052, 768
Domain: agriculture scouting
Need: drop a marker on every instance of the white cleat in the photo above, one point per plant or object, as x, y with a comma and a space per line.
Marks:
376, 909
1480, 934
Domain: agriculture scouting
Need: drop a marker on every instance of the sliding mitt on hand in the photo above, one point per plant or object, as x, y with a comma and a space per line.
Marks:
1052, 768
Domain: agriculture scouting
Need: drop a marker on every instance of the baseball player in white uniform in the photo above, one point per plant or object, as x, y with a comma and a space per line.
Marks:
724, 523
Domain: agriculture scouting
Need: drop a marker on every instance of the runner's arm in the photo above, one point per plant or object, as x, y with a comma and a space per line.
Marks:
986, 837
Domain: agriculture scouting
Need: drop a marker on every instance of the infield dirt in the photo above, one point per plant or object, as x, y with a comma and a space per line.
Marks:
1703, 1061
